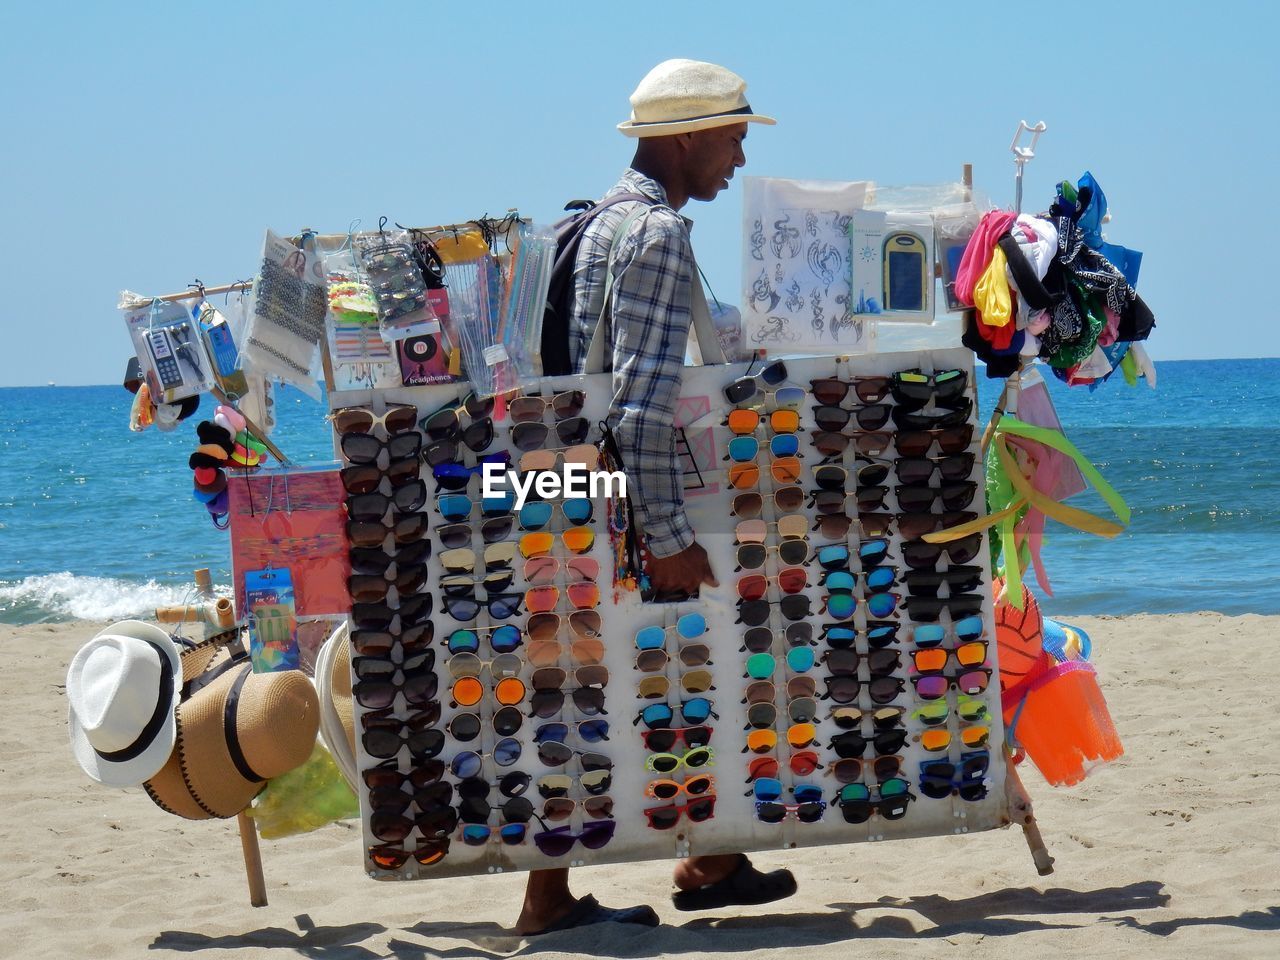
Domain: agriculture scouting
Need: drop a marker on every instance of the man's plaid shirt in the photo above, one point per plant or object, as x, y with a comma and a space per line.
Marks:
645, 339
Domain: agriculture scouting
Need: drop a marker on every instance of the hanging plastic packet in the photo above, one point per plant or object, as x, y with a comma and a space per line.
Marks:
221, 343
235, 312
432, 266
525, 298
389, 260
726, 323
259, 404
494, 350
304, 799
470, 313
354, 336
286, 324
424, 357
273, 642
171, 353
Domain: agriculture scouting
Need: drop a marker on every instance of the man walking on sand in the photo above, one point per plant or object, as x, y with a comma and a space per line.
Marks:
690, 119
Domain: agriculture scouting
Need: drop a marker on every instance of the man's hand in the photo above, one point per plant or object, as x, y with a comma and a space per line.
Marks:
682, 572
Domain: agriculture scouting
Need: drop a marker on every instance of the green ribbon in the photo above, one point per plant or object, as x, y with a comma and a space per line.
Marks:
1010, 494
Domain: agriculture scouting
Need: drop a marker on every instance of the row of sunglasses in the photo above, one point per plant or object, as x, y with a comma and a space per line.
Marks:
541, 571
650, 688
938, 778
381, 628
548, 577
912, 392
693, 797
666, 789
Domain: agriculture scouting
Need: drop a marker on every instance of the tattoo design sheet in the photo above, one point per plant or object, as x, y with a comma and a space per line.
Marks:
796, 268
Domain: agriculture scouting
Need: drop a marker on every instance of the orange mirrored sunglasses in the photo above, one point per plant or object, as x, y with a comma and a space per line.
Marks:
468, 691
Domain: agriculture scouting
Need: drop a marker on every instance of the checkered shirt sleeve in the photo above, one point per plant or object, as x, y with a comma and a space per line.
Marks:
651, 313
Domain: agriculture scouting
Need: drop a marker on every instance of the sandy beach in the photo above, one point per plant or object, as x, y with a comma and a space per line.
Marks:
1171, 852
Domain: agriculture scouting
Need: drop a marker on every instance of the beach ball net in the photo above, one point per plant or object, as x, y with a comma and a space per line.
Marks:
1019, 638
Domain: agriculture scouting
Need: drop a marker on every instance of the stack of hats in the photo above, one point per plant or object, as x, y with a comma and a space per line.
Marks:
197, 728
223, 441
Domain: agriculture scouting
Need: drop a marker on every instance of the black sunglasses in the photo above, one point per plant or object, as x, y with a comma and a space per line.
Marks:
746, 387
374, 506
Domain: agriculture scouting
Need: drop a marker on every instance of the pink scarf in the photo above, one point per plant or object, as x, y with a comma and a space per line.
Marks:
977, 252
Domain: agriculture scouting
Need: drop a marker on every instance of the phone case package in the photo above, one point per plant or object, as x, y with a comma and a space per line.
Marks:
892, 257
170, 348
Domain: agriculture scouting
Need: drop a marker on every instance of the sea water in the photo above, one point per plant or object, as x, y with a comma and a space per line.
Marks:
99, 523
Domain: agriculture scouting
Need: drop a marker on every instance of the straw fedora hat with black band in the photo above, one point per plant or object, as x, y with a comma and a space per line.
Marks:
236, 730
681, 96
122, 689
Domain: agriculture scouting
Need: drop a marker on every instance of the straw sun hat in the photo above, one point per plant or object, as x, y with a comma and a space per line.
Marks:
122, 689
236, 729
680, 96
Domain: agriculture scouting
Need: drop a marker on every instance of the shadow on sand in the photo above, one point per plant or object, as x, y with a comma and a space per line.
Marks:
1006, 912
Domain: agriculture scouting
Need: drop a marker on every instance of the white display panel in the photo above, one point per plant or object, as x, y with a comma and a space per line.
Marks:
734, 826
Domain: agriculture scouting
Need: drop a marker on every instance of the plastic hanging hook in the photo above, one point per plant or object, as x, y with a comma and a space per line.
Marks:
156, 306
349, 243
1023, 154
240, 286
510, 223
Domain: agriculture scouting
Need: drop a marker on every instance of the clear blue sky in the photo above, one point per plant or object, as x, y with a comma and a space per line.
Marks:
144, 145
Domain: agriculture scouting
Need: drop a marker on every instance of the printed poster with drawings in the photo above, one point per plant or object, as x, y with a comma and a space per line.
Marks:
797, 295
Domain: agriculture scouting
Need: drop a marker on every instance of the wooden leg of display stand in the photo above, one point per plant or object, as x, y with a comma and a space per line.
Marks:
1020, 812
996, 414
326, 364
218, 615
1008, 403
252, 860
1035, 843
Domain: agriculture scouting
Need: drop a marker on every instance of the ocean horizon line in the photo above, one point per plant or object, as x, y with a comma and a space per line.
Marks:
49, 383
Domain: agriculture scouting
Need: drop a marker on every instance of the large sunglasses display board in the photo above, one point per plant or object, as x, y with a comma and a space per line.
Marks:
516, 711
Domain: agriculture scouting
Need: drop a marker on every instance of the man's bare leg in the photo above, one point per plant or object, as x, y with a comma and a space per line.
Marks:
546, 900
694, 872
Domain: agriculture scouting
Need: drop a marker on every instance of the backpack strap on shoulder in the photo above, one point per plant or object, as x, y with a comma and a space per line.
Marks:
703, 329
595, 351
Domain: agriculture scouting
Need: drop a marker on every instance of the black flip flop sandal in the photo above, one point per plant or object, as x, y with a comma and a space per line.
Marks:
588, 911
745, 886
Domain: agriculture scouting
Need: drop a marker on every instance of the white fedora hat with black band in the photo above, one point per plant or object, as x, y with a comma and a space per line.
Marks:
680, 96
122, 689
